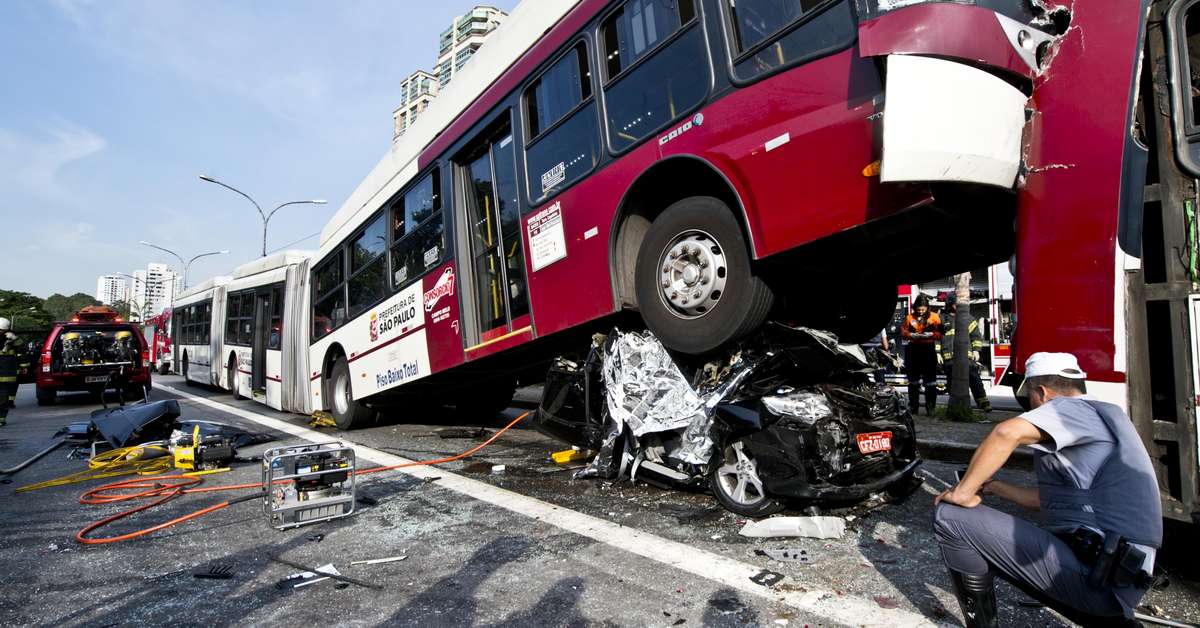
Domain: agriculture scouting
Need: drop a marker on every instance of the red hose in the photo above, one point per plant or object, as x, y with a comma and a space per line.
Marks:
168, 487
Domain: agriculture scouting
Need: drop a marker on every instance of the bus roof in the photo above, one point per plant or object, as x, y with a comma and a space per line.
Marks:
204, 286
271, 262
520, 30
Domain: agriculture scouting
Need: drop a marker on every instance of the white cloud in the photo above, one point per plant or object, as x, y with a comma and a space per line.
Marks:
34, 163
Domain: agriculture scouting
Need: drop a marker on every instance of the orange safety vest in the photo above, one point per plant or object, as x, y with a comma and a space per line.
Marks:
931, 322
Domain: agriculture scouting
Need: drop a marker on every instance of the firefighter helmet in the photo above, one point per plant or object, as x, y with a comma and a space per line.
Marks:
5, 324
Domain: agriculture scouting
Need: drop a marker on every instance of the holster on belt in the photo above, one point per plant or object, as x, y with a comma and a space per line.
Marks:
1114, 562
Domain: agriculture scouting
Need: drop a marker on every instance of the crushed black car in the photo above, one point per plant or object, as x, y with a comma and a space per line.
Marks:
787, 417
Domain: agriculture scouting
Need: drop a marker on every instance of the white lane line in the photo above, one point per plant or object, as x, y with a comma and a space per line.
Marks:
826, 605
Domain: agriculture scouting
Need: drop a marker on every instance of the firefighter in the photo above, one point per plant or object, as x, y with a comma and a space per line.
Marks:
921, 331
10, 361
1092, 556
945, 349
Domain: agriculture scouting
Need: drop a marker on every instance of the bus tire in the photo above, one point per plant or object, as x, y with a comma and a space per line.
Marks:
347, 413
693, 248
232, 378
183, 370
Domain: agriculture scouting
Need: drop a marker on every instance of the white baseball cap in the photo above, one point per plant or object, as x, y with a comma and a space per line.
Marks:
1045, 363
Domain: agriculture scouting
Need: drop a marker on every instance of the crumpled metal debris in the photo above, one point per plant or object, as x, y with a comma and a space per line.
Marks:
812, 527
645, 390
785, 555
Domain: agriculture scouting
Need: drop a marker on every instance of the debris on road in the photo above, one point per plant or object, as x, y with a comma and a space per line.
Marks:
785, 555
498, 469
811, 527
328, 570
216, 572
767, 578
459, 432
570, 455
378, 561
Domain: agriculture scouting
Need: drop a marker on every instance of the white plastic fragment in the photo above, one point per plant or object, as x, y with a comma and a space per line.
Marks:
811, 527
497, 469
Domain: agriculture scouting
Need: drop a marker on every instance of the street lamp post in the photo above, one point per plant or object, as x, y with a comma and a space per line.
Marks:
187, 264
131, 301
266, 216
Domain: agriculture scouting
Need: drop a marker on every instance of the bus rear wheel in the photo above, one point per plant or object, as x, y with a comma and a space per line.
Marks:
693, 281
347, 413
231, 375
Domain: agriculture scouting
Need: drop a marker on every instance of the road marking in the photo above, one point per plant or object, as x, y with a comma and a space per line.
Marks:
840, 609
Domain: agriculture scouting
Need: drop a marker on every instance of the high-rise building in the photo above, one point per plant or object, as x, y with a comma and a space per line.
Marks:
154, 289
111, 289
456, 45
415, 93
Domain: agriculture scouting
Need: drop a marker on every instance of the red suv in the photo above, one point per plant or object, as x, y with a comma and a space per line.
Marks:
94, 351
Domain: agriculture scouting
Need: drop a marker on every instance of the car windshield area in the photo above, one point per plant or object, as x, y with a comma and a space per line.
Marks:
91, 347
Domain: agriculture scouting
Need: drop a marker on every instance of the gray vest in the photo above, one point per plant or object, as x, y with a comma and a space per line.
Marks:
1123, 497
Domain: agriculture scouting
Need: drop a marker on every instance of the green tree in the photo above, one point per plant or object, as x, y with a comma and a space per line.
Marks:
63, 307
26, 311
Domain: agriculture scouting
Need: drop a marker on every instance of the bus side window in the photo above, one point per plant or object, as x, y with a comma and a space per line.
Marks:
275, 339
560, 114
770, 34
655, 72
329, 302
365, 285
233, 307
417, 231
206, 322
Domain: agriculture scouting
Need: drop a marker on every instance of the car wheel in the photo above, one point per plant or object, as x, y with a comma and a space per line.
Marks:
164, 368
232, 377
45, 397
735, 483
693, 280
347, 413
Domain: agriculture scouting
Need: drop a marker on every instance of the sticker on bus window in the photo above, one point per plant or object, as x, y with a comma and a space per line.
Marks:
547, 241
401, 274
431, 256
553, 177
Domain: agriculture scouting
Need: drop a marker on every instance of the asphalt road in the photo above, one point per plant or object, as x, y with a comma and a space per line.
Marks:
526, 547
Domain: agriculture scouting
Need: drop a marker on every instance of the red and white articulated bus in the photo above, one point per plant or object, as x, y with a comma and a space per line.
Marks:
710, 163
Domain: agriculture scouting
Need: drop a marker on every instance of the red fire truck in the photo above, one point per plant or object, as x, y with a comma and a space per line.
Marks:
157, 332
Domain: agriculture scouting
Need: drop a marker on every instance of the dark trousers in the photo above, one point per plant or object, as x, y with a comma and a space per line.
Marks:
8, 395
974, 379
977, 540
920, 365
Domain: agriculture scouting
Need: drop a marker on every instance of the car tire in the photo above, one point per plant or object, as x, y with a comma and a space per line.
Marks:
693, 248
347, 413
484, 404
734, 481
164, 368
46, 397
231, 375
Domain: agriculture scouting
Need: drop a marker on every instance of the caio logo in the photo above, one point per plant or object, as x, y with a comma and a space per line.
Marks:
374, 327
443, 287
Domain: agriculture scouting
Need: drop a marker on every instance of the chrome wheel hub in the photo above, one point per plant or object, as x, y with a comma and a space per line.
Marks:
341, 395
692, 274
739, 477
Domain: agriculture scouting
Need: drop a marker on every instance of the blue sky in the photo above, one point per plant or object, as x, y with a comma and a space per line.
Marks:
112, 108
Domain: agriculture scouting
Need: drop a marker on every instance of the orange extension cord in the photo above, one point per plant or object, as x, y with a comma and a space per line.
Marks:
168, 487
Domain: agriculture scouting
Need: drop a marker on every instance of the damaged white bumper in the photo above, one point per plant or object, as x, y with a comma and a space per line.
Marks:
947, 121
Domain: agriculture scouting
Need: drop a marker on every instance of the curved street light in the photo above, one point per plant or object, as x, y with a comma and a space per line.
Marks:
186, 265
266, 216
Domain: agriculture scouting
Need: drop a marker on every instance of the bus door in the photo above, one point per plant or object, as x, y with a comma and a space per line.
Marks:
258, 345
495, 299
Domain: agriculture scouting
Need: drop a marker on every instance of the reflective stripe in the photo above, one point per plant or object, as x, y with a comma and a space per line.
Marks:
4, 379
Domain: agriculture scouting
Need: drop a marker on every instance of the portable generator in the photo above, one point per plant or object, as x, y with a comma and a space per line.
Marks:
308, 483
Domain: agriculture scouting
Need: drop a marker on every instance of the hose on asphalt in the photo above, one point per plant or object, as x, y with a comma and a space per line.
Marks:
164, 488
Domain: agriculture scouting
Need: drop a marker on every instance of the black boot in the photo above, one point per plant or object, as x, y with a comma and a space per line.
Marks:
930, 400
977, 599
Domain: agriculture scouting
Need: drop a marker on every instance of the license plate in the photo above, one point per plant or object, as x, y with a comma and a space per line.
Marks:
95, 379
874, 442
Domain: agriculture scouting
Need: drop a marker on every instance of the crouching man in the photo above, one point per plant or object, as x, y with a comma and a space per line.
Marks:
1092, 557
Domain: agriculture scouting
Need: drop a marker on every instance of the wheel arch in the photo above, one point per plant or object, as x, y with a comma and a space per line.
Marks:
648, 196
